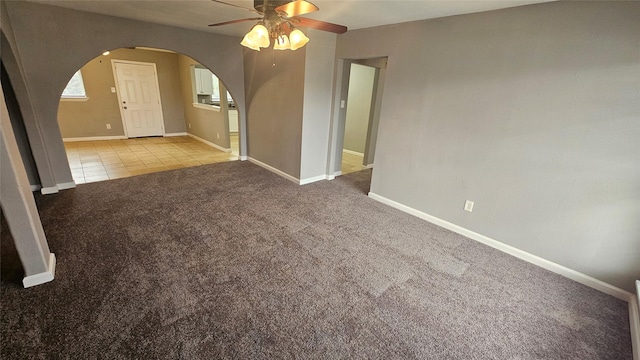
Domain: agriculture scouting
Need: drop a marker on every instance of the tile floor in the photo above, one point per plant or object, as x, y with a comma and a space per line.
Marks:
351, 163
235, 143
92, 161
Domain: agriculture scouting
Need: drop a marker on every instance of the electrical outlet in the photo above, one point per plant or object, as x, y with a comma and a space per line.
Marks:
189, 125
218, 135
468, 206
342, 104
109, 126
113, 89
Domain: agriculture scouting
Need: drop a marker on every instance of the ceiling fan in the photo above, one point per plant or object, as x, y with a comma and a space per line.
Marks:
278, 22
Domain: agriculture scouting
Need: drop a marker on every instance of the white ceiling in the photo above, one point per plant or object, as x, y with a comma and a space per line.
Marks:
355, 14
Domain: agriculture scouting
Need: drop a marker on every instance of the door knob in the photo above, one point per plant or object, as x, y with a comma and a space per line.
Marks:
124, 102
125, 108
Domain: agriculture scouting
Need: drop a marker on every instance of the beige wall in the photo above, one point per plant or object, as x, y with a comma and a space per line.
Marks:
206, 124
89, 118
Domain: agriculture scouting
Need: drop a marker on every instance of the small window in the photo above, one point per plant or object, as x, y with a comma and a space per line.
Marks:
75, 88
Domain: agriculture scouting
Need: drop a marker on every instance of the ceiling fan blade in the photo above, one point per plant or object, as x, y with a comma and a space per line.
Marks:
235, 21
237, 6
297, 7
320, 25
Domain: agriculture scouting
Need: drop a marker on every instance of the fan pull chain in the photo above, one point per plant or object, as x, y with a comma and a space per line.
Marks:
273, 57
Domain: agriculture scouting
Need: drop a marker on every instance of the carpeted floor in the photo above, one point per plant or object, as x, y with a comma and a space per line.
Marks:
231, 261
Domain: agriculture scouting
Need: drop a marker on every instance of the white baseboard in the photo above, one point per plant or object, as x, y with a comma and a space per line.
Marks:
370, 166
634, 324
274, 170
41, 278
67, 185
331, 177
209, 143
243, 158
94, 138
175, 134
353, 152
337, 173
49, 190
523, 255
54, 189
287, 176
312, 179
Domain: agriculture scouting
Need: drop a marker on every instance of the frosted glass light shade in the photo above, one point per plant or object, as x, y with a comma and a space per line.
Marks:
282, 43
259, 35
246, 41
298, 39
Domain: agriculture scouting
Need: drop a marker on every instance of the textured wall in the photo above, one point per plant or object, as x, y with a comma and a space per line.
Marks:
533, 113
89, 118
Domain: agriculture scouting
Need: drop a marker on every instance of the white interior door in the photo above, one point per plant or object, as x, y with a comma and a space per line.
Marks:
139, 97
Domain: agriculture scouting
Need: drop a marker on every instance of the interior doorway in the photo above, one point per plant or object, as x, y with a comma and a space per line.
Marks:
357, 119
357, 128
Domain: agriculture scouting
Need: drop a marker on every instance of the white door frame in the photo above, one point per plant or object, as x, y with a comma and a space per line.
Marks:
115, 77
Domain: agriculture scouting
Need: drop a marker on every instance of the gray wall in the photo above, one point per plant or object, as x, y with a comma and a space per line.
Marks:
89, 118
19, 130
378, 87
18, 205
68, 39
40, 170
318, 87
533, 113
274, 96
361, 81
205, 124
289, 106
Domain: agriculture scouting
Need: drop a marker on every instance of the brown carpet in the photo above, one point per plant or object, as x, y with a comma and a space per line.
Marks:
231, 261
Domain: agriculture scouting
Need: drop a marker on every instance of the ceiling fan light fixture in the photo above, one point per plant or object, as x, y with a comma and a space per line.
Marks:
276, 22
282, 43
298, 39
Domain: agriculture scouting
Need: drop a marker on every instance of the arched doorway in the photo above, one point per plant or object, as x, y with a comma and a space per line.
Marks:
101, 136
